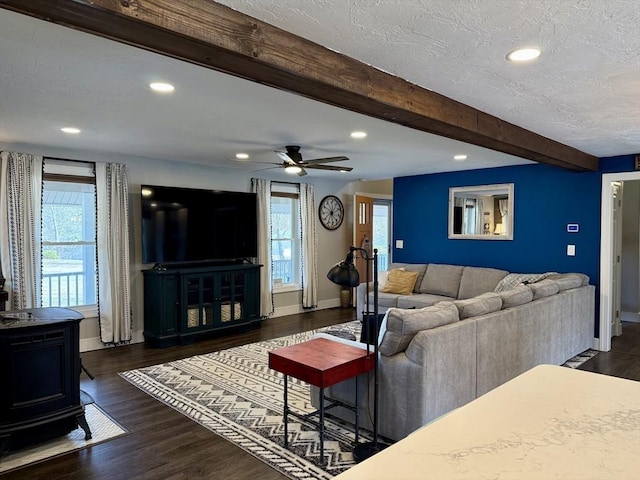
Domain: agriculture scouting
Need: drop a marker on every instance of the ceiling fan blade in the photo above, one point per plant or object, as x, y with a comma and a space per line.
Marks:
284, 156
329, 167
261, 169
324, 160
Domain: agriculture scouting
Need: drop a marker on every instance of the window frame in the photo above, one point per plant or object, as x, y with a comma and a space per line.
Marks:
291, 192
77, 173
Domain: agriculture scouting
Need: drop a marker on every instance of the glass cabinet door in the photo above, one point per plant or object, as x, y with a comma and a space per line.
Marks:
231, 298
199, 292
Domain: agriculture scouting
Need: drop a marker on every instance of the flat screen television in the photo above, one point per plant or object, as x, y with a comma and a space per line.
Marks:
193, 225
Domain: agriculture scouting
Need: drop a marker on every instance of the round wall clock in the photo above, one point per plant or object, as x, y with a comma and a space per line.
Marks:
331, 212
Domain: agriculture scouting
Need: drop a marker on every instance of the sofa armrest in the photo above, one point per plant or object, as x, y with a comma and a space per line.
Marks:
361, 298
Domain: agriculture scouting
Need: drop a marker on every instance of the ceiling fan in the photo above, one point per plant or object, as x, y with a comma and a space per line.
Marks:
293, 162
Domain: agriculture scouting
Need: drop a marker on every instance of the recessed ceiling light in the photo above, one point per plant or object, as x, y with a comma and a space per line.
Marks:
459, 157
523, 54
358, 134
162, 87
242, 156
292, 169
71, 130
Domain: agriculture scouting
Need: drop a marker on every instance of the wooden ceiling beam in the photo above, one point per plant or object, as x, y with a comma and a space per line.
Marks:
214, 36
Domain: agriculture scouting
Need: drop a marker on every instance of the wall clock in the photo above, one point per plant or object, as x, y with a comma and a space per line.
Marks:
331, 212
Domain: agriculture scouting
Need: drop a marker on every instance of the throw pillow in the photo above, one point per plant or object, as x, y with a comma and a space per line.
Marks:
480, 305
400, 282
400, 325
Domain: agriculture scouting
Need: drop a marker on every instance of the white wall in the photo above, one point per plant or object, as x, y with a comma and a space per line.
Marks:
630, 291
332, 245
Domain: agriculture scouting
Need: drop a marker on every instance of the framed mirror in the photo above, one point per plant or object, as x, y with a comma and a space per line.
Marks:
481, 212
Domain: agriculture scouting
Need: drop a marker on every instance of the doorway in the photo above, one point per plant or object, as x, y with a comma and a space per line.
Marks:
610, 261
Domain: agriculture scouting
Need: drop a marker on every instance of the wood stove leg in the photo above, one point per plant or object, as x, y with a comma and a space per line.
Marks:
82, 421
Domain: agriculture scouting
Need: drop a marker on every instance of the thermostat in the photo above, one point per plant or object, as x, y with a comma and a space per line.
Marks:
573, 227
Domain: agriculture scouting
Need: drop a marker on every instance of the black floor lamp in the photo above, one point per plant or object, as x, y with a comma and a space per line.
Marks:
345, 274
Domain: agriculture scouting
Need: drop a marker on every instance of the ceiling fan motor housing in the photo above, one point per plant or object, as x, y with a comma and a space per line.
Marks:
294, 153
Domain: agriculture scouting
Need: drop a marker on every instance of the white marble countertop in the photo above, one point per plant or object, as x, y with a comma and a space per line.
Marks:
549, 423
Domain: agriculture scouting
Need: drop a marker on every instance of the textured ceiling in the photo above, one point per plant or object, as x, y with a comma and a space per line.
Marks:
583, 91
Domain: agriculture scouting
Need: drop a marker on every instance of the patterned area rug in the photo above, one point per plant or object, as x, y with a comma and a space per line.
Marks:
102, 427
234, 394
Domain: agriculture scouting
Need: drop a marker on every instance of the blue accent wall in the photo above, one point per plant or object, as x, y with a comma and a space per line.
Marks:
546, 199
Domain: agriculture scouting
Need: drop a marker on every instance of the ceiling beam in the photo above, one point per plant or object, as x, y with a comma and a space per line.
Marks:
214, 36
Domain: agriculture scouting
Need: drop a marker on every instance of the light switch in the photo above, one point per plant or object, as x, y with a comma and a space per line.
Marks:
571, 250
399, 243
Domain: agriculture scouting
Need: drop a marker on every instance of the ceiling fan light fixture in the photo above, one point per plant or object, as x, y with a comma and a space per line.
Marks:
358, 134
520, 55
161, 87
293, 169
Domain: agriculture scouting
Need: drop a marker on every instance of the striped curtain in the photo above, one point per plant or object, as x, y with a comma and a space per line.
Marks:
262, 188
309, 246
114, 303
20, 217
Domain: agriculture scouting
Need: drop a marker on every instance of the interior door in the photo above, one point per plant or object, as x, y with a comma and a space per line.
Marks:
363, 233
616, 270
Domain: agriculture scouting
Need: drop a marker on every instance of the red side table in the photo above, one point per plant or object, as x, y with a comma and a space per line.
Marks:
322, 363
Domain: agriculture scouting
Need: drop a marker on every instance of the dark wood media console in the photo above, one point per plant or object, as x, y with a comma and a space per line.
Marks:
40, 376
184, 303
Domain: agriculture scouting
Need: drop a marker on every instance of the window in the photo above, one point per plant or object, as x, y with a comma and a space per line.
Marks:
285, 237
68, 242
382, 231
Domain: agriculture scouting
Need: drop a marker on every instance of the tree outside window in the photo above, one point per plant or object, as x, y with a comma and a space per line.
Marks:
68, 244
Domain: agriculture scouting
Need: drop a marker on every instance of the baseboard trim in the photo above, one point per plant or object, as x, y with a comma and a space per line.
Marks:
94, 343
294, 309
630, 317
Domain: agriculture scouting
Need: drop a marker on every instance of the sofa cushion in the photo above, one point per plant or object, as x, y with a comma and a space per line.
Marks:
400, 282
421, 268
480, 305
385, 300
477, 280
442, 280
516, 296
566, 281
544, 288
420, 300
400, 325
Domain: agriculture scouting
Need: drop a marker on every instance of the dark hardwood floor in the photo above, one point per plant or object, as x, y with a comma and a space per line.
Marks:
163, 444
623, 360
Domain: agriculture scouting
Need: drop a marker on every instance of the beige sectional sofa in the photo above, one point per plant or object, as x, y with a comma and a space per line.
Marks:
438, 357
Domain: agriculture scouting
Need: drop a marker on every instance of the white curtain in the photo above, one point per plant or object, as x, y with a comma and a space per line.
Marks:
479, 216
262, 188
309, 243
469, 216
114, 304
20, 218
503, 205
